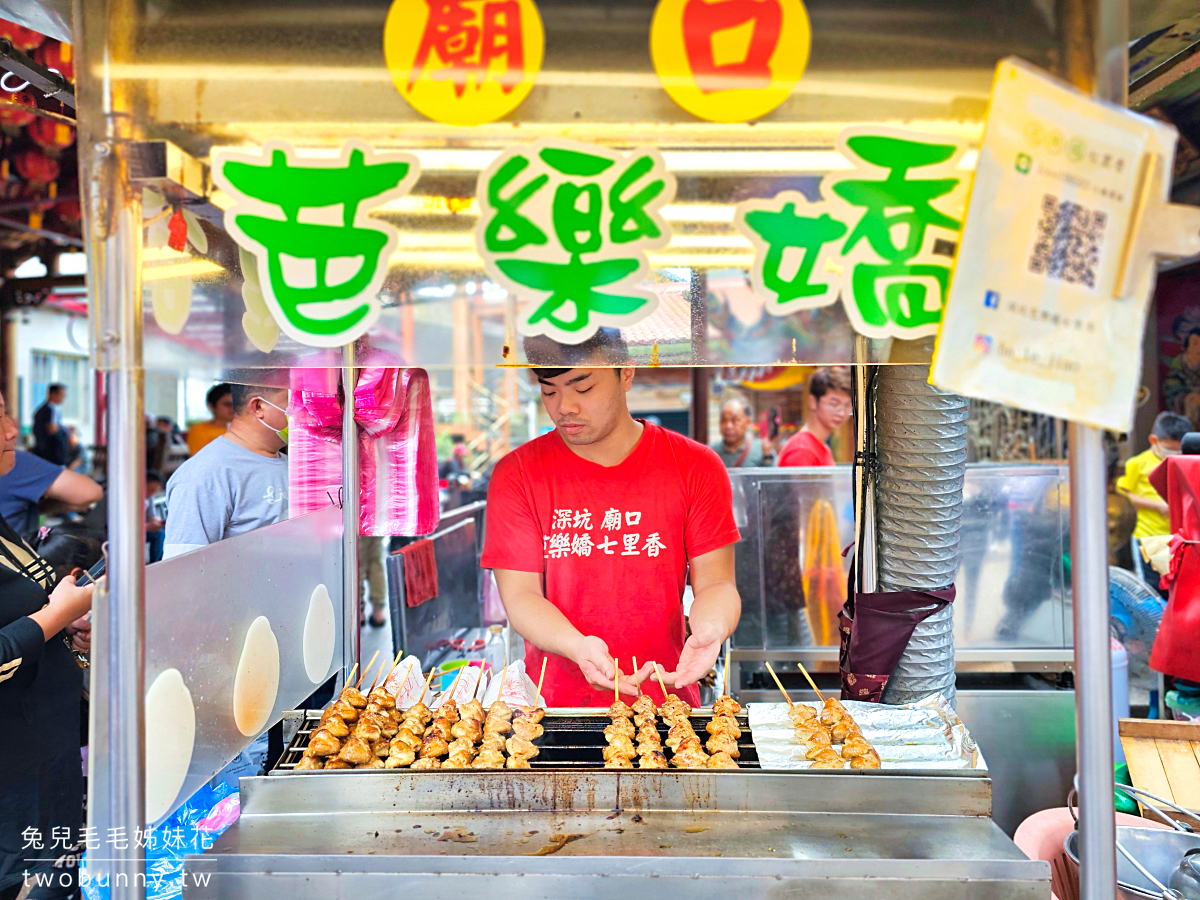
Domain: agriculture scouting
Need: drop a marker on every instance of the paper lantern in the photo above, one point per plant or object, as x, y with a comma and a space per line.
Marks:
68, 211
25, 39
57, 55
51, 135
36, 167
13, 120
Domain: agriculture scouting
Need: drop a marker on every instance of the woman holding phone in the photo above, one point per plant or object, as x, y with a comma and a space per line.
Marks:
41, 780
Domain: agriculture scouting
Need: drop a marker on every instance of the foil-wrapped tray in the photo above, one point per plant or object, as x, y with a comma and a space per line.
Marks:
923, 735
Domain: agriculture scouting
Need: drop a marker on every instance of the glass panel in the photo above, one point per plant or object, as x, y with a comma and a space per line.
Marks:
1011, 582
241, 72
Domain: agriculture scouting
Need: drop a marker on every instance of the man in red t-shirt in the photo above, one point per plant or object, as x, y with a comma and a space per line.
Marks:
829, 406
593, 531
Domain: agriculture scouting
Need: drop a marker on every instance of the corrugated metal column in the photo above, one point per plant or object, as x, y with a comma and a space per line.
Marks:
921, 434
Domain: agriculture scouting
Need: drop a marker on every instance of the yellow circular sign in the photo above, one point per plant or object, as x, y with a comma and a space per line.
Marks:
729, 60
463, 62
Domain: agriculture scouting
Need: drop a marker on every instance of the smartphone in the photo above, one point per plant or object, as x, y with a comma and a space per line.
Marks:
93, 573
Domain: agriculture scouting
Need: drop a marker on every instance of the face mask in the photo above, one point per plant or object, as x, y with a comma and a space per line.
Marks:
1163, 452
283, 432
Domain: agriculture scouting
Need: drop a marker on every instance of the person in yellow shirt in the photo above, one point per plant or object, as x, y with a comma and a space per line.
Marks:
1165, 440
220, 404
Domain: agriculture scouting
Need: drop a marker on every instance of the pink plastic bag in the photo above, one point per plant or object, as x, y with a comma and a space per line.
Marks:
314, 441
397, 455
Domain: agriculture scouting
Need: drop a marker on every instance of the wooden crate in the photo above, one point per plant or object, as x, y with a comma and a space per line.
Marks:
1164, 759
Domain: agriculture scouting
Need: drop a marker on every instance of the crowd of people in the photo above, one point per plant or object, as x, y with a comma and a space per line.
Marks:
829, 405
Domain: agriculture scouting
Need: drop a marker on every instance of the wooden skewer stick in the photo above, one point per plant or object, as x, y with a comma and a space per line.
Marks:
539, 684
404, 680
503, 675
395, 662
635, 668
808, 678
350, 677
658, 673
366, 670
779, 685
454, 683
616, 681
725, 693
428, 680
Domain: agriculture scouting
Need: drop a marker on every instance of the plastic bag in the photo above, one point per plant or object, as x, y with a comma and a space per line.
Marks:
191, 829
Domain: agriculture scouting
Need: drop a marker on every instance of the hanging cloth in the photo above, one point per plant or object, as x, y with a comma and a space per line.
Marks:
875, 629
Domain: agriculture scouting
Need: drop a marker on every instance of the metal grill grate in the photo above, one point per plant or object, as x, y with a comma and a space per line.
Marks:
571, 741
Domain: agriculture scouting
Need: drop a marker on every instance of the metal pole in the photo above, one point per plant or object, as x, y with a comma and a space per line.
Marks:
1105, 41
1093, 667
117, 806
350, 514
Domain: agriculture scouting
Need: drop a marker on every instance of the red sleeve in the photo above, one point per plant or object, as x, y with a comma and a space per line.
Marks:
710, 524
799, 453
513, 537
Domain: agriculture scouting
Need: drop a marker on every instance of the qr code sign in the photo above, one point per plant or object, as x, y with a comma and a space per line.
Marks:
1068, 241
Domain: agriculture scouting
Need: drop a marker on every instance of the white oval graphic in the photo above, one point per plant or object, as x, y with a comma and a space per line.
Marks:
256, 683
170, 738
319, 635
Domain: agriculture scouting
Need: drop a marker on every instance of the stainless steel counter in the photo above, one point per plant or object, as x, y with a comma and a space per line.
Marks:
616, 834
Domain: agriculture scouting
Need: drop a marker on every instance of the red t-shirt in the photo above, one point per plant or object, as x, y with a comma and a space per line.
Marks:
613, 544
805, 449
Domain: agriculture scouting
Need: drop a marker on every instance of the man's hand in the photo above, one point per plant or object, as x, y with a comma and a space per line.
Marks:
594, 661
699, 654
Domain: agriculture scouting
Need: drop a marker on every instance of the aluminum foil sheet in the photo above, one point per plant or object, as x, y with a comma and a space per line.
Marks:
927, 734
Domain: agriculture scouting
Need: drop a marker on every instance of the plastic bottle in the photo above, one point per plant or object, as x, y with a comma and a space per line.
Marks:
493, 649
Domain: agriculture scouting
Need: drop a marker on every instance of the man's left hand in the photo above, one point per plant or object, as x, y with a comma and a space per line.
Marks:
699, 654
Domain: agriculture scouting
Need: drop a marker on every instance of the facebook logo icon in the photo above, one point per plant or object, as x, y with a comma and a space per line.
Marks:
991, 299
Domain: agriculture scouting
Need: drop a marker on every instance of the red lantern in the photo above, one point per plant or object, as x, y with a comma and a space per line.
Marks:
19, 36
57, 55
36, 167
69, 211
51, 135
13, 120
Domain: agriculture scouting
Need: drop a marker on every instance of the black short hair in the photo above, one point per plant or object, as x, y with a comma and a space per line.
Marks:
155, 475
1169, 426
605, 348
829, 378
56, 387
244, 393
217, 393
69, 546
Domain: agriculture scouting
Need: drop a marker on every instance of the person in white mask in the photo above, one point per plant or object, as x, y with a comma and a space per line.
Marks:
1166, 438
238, 482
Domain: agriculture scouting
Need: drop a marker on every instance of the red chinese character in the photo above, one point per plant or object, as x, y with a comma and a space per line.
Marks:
702, 19
452, 36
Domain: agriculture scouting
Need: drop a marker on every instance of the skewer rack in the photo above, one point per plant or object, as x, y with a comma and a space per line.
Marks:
573, 739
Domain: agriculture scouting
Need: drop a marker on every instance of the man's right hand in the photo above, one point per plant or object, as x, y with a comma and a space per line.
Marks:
595, 662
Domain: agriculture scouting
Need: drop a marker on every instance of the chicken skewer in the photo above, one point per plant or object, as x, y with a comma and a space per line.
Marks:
649, 743
619, 752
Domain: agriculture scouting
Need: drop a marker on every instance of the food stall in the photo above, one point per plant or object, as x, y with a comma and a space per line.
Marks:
342, 186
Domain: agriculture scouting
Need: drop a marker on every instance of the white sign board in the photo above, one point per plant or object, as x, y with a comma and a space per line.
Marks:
1048, 298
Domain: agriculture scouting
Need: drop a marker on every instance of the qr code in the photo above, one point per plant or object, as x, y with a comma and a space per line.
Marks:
1067, 246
